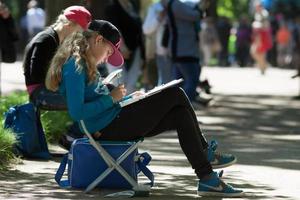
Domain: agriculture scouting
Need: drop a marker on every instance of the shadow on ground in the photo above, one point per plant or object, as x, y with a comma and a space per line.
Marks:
262, 131
20, 185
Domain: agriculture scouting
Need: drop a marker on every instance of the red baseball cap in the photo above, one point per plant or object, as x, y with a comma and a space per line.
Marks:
79, 15
113, 36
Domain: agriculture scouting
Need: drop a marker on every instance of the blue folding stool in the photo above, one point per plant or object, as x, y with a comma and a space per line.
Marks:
114, 164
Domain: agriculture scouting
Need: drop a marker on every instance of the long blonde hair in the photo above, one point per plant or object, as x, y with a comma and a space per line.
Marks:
60, 21
75, 45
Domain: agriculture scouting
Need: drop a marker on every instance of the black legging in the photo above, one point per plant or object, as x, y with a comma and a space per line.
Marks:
167, 110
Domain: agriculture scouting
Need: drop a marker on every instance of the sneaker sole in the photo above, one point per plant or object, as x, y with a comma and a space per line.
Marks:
224, 165
219, 194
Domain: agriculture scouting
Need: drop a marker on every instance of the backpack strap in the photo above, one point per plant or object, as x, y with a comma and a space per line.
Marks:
60, 172
9, 117
142, 162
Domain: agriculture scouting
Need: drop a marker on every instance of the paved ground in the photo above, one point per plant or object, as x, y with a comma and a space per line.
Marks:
11, 77
255, 117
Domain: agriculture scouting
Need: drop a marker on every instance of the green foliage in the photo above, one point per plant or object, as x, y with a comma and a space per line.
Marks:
232, 9
7, 141
54, 124
11, 100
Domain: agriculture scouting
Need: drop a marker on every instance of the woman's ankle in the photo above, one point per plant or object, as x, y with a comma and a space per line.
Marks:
207, 176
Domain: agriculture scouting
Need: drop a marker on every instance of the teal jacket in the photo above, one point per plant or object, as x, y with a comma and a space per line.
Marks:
86, 101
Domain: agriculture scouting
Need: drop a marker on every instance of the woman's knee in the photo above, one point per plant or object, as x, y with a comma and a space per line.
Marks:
176, 95
175, 92
180, 114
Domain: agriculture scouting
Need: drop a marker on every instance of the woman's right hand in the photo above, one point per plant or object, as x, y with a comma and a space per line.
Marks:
118, 92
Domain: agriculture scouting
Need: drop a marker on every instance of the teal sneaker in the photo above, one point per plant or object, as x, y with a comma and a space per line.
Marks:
216, 187
219, 160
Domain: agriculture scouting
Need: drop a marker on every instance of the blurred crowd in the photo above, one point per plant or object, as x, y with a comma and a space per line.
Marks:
171, 39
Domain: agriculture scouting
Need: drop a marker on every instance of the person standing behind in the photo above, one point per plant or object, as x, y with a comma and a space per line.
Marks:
284, 44
155, 23
35, 18
8, 35
296, 48
209, 41
125, 17
223, 28
40, 50
262, 38
184, 46
243, 41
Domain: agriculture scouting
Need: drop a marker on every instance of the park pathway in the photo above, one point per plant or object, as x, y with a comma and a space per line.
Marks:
254, 117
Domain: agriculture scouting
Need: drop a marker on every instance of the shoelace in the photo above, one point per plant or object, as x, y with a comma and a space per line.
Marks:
213, 145
225, 185
211, 150
220, 174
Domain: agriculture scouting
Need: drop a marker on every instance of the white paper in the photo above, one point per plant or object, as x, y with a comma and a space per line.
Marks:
155, 90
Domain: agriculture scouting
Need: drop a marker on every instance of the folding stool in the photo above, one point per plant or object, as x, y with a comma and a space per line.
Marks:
115, 165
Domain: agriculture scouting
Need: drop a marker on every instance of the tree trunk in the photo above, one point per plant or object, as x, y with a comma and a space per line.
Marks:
212, 10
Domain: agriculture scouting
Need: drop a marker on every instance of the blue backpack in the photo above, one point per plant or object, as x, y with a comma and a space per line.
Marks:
25, 123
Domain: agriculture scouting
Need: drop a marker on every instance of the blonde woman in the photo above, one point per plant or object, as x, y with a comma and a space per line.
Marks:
41, 49
73, 73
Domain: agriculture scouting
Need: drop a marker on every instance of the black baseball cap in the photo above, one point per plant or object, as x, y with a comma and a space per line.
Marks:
113, 36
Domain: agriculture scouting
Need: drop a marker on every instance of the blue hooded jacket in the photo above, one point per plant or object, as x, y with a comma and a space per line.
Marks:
86, 101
